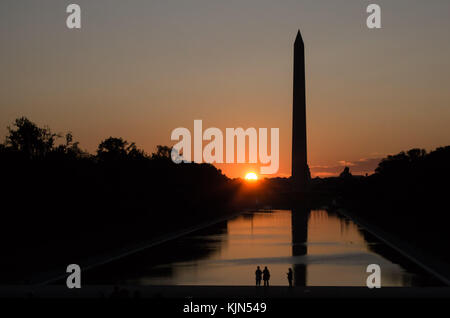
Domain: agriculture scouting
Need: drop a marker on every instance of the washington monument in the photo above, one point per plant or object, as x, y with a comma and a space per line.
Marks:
300, 169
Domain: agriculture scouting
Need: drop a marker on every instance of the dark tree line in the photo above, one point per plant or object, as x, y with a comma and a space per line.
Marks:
407, 196
58, 199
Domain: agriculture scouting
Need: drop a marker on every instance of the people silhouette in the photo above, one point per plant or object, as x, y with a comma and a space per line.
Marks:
258, 276
289, 277
266, 276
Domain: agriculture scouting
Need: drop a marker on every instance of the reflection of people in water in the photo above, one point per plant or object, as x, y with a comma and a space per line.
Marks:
266, 276
258, 275
289, 277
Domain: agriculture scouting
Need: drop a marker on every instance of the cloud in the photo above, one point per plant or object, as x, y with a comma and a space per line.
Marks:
358, 167
346, 163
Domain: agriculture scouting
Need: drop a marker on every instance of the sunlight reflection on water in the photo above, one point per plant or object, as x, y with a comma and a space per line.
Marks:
322, 248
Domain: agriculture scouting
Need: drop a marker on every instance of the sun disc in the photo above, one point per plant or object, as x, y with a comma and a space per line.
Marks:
251, 176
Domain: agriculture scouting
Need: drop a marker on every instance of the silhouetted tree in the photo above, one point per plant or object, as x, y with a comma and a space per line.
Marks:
134, 153
68, 150
112, 149
162, 152
27, 137
400, 164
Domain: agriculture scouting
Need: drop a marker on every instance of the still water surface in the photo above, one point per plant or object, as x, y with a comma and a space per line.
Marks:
322, 248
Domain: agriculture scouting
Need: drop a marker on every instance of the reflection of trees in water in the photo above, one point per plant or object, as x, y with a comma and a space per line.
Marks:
299, 223
198, 245
418, 277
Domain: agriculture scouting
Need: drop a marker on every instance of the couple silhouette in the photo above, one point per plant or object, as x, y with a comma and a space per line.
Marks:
264, 275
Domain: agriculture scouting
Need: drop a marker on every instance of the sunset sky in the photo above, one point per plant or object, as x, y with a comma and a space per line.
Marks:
139, 69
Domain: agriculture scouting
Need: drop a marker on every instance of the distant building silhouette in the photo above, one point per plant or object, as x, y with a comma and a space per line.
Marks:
300, 169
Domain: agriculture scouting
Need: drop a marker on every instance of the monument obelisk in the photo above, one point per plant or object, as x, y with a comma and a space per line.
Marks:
300, 169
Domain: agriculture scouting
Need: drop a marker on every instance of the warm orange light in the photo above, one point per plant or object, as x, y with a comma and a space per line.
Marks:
251, 176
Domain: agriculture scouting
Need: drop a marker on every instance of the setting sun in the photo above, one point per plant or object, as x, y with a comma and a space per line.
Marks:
251, 176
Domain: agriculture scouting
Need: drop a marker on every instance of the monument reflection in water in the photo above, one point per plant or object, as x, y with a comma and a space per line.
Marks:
323, 249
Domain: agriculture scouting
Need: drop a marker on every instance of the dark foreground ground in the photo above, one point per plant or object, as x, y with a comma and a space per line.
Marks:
224, 301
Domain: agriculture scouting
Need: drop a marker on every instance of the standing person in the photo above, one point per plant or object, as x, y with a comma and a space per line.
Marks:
266, 276
289, 277
258, 275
